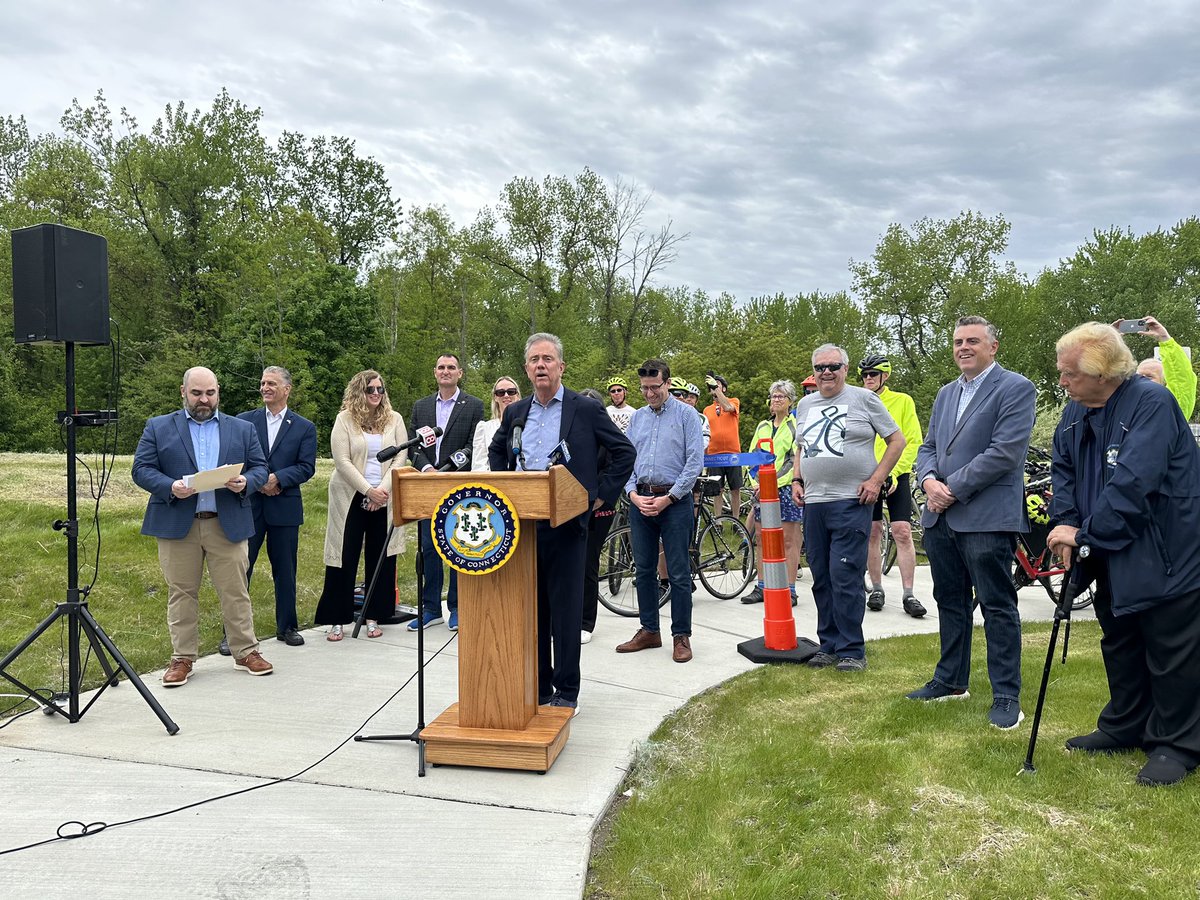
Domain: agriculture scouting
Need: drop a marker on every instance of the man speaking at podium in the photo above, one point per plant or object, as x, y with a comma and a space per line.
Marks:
552, 425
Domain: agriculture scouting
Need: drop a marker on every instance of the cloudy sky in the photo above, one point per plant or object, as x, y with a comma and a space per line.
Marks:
783, 135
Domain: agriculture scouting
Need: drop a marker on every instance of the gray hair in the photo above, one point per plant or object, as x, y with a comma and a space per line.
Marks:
283, 373
592, 394
544, 336
827, 348
992, 334
783, 386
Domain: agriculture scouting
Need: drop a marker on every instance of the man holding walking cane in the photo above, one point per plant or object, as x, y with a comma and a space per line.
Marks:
1126, 479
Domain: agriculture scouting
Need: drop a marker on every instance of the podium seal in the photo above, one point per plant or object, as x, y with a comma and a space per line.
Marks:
475, 529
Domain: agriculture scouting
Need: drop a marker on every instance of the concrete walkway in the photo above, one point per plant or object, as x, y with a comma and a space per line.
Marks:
358, 822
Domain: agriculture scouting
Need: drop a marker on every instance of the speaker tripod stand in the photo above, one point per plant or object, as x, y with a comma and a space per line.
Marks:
79, 622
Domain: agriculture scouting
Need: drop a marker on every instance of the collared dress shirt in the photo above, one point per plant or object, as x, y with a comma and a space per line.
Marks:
206, 445
670, 447
970, 386
540, 435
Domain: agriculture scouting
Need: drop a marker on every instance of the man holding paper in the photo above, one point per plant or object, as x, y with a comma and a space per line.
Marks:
193, 526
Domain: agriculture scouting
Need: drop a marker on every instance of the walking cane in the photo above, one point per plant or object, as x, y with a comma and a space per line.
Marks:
1071, 586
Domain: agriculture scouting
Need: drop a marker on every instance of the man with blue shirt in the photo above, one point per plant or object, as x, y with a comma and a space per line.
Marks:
194, 527
670, 454
600, 459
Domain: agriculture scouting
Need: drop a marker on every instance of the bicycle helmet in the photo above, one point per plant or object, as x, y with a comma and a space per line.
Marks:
693, 390
678, 384
1035, 504
874, 362
809, 382
616, 381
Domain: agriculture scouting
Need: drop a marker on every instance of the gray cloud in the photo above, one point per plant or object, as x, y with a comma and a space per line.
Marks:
784, 137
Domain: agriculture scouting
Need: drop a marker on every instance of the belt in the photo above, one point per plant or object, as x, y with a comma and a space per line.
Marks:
659, 489
206, 515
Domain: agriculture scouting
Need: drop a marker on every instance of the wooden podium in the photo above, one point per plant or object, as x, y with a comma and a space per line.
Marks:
496, 722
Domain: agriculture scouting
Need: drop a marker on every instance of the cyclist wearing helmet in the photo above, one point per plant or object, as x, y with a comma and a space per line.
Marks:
689, 394
874, 370
620, 412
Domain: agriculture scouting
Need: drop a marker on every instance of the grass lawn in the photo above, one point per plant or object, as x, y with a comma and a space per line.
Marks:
789, 782
129, 598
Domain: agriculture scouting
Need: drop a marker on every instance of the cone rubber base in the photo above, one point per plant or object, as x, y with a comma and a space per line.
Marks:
757, 651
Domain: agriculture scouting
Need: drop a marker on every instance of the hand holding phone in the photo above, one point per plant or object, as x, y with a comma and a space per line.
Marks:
1131, 326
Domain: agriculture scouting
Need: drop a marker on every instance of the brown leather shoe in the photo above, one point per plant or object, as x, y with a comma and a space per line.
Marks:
643, 640
177, 672
683, 648
253, 663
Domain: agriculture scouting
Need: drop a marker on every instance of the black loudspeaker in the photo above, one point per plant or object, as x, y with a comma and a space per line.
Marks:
60, 286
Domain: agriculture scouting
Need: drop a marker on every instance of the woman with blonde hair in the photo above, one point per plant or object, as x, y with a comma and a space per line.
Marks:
359, 500
504, 393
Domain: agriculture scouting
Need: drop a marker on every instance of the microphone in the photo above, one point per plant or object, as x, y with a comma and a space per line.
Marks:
458, 460
514, 443
560, 455
425, 437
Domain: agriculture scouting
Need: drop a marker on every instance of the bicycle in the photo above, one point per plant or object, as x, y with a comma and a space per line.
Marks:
719, 554
1032, 559
887, 546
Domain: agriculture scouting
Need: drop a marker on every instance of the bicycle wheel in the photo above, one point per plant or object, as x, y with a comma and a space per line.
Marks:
1053, 586
617, 590
887, 545
725, 560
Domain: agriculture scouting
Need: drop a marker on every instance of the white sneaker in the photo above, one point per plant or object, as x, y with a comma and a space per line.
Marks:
585, 637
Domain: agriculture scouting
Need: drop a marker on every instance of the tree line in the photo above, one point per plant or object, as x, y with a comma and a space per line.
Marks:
233, 251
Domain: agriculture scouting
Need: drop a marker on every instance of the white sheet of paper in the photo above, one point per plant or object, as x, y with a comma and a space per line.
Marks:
211, 479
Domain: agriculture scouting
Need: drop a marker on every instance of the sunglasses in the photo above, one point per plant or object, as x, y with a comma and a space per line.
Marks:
871, 373
505, 392
375, 390
827, 367
647, 373
680, 394
616, 390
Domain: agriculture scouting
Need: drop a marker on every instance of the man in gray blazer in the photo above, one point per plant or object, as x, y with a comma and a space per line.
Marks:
971, 466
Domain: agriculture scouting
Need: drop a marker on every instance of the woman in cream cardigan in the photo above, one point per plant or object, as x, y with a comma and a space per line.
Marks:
359, 497
504, 393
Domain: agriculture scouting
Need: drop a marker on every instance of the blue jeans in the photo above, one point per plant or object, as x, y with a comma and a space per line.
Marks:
835, 541
969, 565
431, 567
672, 526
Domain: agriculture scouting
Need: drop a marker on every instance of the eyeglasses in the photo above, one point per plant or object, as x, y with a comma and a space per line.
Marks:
827, 367
679, 394
375, 390
616, 390
651, 388
778, 397
648, 373
871, 373
505, 392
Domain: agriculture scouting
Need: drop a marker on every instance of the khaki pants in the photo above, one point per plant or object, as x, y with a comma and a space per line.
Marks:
182, 563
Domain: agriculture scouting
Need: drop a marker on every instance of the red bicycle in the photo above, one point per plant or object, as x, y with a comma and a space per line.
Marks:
1032, 560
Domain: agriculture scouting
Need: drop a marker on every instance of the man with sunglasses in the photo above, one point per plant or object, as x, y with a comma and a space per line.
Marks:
670, 454
619, 409
875, 369
838, 479
722, 415
457, 414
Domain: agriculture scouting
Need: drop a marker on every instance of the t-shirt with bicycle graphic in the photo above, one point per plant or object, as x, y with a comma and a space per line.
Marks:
835, 440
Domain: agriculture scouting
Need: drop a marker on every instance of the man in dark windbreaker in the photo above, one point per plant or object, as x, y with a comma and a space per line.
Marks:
1127, 486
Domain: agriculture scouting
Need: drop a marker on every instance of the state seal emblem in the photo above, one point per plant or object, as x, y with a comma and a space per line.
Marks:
475, 529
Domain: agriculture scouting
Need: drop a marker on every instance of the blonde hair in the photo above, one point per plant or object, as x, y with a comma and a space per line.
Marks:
1102, 353
496, 403
354, 401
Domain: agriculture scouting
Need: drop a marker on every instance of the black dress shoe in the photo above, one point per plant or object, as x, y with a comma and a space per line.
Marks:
223, 647
291, 637
1099, 743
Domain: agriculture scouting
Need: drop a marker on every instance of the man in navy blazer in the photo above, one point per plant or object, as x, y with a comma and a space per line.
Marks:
550, 416
971, 466
457, 413
193, 527
290, 443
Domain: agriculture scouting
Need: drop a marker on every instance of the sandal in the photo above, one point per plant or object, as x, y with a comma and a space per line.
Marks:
335, 633
373, 630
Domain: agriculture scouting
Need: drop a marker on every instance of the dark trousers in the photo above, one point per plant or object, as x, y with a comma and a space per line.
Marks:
835, 542
1152, 659
673, 529
969, 566
599, 525
560, 554
431, 563
336, 606
282, 543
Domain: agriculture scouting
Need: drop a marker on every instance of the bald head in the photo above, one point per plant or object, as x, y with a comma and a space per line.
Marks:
200, 392
1152, 369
